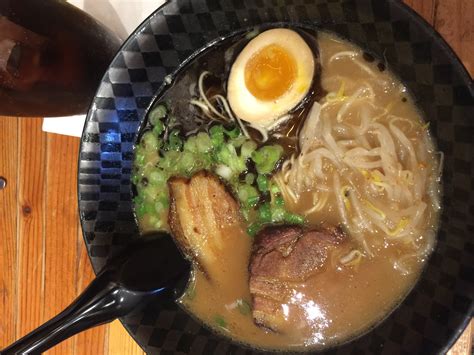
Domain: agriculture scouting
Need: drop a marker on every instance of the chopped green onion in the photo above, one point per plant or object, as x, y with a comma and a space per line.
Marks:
140, 210
217, 136
266, 158
186, 163
224, 171
247, 149
203, 142
220, 321
161, 205
150, 142
249, 178
252, 201
278, 214
150, 191
245, 213
157, 114
233, 133
138, 200
135, 178
279, 201
237, 142
245, 193
158, 128
244, 307
254, 228
174, 142
228, 156
139, 158
293, 218
190, 145
274, 189
265, 213
262, 183
157, 177
149, 207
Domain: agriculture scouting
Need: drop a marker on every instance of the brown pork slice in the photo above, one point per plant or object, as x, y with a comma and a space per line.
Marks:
284, 255
200, 210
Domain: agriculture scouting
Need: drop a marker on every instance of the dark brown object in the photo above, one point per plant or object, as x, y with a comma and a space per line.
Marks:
52, 57
282, 255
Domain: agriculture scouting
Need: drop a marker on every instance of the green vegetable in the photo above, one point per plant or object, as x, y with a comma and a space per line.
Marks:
139, 158
244, 307
278, 214
227, 155
150, 142
274, 189
203, 142
265, 213
157, 114
186, 163
220, 321
245, 213
157, 177
247, 195
266, 157
149, 207
252, 201
233, 133
293, 218
217, 136
237, 142
140, 209
190, 144
262, 183
158, 128
223, 151
155, 221
161, 205
135, 178
150, 191
254, 228
174, 142
249, 178
279, 201
247, 149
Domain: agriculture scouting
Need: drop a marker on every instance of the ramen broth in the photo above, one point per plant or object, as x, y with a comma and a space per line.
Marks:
340, 302
368, 275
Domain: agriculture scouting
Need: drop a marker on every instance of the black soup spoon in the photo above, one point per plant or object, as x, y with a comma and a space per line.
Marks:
150, 267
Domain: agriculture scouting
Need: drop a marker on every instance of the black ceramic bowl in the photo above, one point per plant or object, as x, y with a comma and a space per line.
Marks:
441, 304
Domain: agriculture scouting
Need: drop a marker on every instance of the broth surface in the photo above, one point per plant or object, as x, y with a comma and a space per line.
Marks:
340, 302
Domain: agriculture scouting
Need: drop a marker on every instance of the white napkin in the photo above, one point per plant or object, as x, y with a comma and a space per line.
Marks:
122, 17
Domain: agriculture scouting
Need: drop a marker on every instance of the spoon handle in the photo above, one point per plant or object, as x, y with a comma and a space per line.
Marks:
101, 302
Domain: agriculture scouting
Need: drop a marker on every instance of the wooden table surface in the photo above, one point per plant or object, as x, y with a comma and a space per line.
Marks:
43, 260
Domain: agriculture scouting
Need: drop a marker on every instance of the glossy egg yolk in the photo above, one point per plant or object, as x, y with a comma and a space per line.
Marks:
270, 72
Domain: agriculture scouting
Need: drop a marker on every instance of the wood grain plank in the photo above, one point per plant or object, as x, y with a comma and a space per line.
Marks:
31, 199
464, 344
120, 342
8, 229
61, 254
425, 8
454, 20
92, 341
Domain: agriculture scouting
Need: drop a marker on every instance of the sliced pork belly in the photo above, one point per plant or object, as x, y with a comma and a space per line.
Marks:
281, 257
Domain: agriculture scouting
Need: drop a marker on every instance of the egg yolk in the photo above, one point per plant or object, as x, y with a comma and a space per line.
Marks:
270, 72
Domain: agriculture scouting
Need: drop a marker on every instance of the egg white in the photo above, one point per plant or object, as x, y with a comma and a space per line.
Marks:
264, 113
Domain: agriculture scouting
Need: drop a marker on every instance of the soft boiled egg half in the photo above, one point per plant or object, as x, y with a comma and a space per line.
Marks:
271, 75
